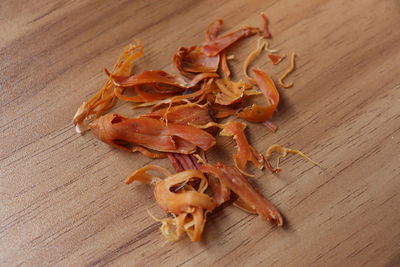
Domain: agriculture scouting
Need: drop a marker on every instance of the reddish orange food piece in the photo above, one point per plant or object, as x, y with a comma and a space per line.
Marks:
245, 152
105, 98
161, 81
275, 59
183, 114
182, 194
215, 46
193, 60
213, 29
266, 33
120, 132
256, 113
224, 65
236, 182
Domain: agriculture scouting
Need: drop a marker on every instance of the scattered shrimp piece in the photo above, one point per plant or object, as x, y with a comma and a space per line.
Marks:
287, 72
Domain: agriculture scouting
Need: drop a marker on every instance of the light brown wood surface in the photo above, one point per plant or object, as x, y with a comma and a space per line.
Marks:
63, 200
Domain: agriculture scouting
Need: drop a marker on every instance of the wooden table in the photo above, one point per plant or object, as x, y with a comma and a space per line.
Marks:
63, 199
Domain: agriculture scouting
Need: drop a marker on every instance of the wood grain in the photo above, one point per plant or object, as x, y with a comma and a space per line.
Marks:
63, 200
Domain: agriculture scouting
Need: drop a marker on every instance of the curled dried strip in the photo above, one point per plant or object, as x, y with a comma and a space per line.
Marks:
121, 132
275, 59
193, 223
266, 33
187, 197
256, 113
183, 114
287, 72
283, 152
105, 98
196, 96
192, 60
267, 49
151, 77
142, 175
244, 206
189, 204
220, 192
142, 95
245, 152
215, 46
236, 182
167, 226
161, 81
232, 92
147, 153
221, 112
224, 65
213, 29
251, 57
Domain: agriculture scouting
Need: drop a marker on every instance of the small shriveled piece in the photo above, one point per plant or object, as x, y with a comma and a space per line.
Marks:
120, 132
181, 194
236, 182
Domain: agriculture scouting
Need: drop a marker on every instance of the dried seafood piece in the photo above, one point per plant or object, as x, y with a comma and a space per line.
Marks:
287, 72
256, 113
120, 132
215, 46
105, 98
236, 182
